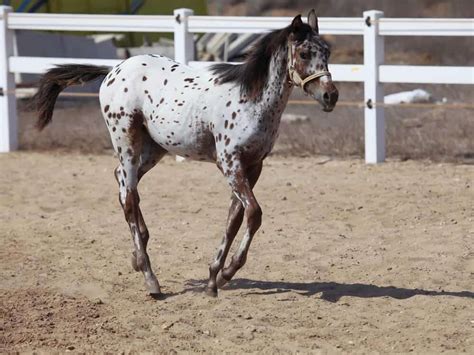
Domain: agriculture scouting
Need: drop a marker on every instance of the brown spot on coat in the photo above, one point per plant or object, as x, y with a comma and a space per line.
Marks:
111, 82
144, 78
106, 108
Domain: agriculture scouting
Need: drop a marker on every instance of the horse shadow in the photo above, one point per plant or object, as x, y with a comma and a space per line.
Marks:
330, 291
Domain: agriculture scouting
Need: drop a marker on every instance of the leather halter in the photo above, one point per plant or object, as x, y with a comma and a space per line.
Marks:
296, 78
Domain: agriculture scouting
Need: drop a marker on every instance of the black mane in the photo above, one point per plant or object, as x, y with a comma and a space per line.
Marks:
252, 75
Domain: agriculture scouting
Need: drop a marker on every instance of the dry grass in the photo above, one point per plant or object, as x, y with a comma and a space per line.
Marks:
436, 134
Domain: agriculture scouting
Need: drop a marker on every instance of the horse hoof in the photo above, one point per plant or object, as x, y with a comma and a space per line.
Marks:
153, 287
134, 262
211, 292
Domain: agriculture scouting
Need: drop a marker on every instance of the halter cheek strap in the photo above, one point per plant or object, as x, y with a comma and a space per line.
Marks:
296, 78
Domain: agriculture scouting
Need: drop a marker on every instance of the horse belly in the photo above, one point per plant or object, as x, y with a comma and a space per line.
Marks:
186, 137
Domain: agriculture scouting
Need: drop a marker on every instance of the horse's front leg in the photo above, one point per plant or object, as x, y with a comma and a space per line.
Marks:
234, 221
242, 182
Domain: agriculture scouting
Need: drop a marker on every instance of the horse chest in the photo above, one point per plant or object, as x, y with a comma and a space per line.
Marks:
267, 132
252, 134
267, 123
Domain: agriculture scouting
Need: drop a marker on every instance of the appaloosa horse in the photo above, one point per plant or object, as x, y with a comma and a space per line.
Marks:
227, 114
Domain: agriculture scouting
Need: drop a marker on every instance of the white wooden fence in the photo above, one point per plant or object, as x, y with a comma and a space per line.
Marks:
372, 26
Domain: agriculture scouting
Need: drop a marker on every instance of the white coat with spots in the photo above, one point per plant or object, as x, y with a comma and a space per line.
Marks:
227, 114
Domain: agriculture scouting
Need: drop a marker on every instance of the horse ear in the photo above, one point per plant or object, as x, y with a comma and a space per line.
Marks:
313, 21
296, 23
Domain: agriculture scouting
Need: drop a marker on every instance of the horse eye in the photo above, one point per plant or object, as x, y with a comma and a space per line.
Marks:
305, 55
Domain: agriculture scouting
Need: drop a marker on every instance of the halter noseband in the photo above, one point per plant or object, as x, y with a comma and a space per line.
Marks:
296, 78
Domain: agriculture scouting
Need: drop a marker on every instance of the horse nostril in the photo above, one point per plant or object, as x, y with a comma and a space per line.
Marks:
326, 98
334, 97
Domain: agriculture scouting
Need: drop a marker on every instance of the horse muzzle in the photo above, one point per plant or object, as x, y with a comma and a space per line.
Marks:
329, 99
326, 94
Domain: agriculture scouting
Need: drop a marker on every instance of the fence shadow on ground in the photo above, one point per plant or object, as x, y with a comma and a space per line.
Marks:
330, 291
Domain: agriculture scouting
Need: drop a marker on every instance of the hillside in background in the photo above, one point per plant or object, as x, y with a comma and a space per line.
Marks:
345, 8
348, 49
113, 7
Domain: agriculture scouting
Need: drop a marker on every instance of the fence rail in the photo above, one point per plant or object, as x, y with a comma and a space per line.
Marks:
96, 23
373, 73
426, 27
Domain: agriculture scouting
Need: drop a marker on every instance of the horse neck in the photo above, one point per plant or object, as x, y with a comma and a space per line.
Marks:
278, 87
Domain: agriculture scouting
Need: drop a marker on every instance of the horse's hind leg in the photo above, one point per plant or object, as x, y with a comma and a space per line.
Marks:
234, 221
136, 158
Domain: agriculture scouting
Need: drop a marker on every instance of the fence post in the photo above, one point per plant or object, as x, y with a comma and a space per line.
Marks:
373, 89
8, 121
183, 42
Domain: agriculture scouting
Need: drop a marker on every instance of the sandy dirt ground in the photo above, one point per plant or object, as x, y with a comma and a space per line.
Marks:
350, 258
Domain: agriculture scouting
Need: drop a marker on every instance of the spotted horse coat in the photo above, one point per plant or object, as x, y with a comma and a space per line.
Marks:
227, 114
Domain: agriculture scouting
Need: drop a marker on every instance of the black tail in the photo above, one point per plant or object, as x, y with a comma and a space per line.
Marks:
56, 80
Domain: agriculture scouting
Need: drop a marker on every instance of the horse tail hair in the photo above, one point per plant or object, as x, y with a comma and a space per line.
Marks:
56, 80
